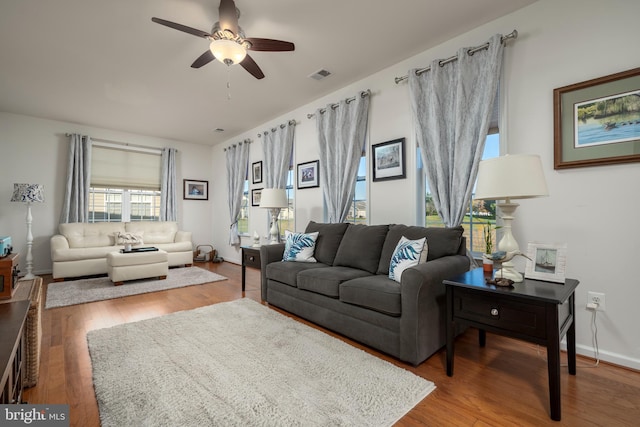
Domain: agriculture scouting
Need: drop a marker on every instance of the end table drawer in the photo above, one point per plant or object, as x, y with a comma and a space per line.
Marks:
500, 313
251, 258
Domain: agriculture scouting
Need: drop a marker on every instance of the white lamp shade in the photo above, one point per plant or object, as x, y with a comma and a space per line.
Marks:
28, 193
228, 50
273, 198
517, 176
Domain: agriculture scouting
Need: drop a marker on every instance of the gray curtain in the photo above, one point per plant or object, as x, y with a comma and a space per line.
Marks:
342, 131
237, 157
168, 201
452, 106
75, 206
277, 147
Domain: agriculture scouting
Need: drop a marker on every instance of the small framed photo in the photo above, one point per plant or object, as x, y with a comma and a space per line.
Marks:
547, 262
388, 160
308, 174
256, 196
256, 172
195, 190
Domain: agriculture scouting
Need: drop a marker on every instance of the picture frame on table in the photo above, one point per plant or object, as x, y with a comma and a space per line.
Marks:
308, 175
597, 122
256, 172
389, 160
547, 261
195, 189
256, 196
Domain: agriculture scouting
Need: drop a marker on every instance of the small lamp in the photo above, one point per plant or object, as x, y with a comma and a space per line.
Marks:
505, 178
28, 193
274, 199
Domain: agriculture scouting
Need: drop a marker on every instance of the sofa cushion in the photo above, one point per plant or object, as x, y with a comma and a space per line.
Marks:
154, 231
377, 293
441, 242
361, 247
85, 235
287, 271
326, 281
329, 238
407, 254
299, 246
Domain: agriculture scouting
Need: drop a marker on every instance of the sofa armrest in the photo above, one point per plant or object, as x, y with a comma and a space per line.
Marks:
268, 254
182, 236
423, 305
58, 242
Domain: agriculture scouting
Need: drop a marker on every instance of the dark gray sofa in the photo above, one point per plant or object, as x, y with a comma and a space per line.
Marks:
348, 290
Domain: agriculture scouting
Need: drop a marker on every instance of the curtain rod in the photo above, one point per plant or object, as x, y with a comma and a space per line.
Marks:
246, 141
363, 94
512, 35
129, 146
282, 126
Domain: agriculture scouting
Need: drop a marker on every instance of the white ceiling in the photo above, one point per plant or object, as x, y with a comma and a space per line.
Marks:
103, 63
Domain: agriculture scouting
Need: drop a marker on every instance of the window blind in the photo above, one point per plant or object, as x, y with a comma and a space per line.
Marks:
124, 168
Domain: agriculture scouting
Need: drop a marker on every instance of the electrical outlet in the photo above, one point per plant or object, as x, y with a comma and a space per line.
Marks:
597, 298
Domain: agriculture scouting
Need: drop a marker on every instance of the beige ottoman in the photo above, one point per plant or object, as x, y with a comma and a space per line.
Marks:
136, 265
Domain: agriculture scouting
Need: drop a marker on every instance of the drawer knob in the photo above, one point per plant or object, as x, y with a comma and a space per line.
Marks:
494, 312
251, 258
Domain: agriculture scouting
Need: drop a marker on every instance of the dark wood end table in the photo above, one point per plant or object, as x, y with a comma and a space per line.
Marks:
532, 310
250, 258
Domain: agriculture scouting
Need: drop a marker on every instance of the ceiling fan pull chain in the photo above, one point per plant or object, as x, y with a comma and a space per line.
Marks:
228, 83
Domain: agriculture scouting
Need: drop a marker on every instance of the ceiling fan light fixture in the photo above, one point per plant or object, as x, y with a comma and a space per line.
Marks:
228, 51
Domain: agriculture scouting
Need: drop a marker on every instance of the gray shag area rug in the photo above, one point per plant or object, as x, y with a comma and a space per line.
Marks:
60, 294
240, 363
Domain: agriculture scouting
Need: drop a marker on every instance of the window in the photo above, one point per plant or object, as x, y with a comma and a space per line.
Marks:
243, 221
125, 184
358, 210
480, 212
287, 215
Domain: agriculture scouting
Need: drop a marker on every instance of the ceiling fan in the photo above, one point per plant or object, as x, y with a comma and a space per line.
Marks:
228, 42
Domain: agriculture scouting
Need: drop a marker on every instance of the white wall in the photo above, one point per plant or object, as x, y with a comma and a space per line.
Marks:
592, 209
35, 151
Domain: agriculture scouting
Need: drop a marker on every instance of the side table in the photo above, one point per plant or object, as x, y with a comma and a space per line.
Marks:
532, 310
250, 258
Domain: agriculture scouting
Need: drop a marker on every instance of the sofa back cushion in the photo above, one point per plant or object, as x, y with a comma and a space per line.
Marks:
154, 231
440, 241
85, 235
361, 247
328, 241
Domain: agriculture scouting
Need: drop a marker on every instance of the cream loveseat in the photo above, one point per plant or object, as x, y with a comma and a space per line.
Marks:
81, 248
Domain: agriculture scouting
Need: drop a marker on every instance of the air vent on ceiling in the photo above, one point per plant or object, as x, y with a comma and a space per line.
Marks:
320, 74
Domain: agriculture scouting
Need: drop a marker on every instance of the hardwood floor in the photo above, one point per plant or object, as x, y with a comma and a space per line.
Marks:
503, 384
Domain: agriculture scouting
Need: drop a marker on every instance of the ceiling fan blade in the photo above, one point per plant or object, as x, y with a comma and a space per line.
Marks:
250, 65
181, 27
270, 45
228, 16
203, 59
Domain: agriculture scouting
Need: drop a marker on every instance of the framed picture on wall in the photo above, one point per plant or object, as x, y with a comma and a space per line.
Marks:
195, 190
256, 172
388, 160
308, 174
256, 195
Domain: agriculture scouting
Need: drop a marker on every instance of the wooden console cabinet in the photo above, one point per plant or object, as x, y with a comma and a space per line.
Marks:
8, 275
12, 349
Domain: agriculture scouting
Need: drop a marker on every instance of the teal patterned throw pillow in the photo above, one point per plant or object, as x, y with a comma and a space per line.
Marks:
299, 246
407, 254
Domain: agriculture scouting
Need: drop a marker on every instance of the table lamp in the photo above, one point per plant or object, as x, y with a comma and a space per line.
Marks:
505, 178
274, 199
28, 193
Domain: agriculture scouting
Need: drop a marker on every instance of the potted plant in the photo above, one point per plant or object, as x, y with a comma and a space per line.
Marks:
487, 261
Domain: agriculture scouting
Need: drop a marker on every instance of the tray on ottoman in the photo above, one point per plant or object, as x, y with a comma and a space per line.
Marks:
125, 266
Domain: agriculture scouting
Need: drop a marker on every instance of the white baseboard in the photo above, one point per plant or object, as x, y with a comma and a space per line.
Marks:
605, 356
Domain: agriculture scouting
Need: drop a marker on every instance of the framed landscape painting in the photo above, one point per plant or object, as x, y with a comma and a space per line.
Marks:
597, 122
388, 160
195, 190
546, 261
